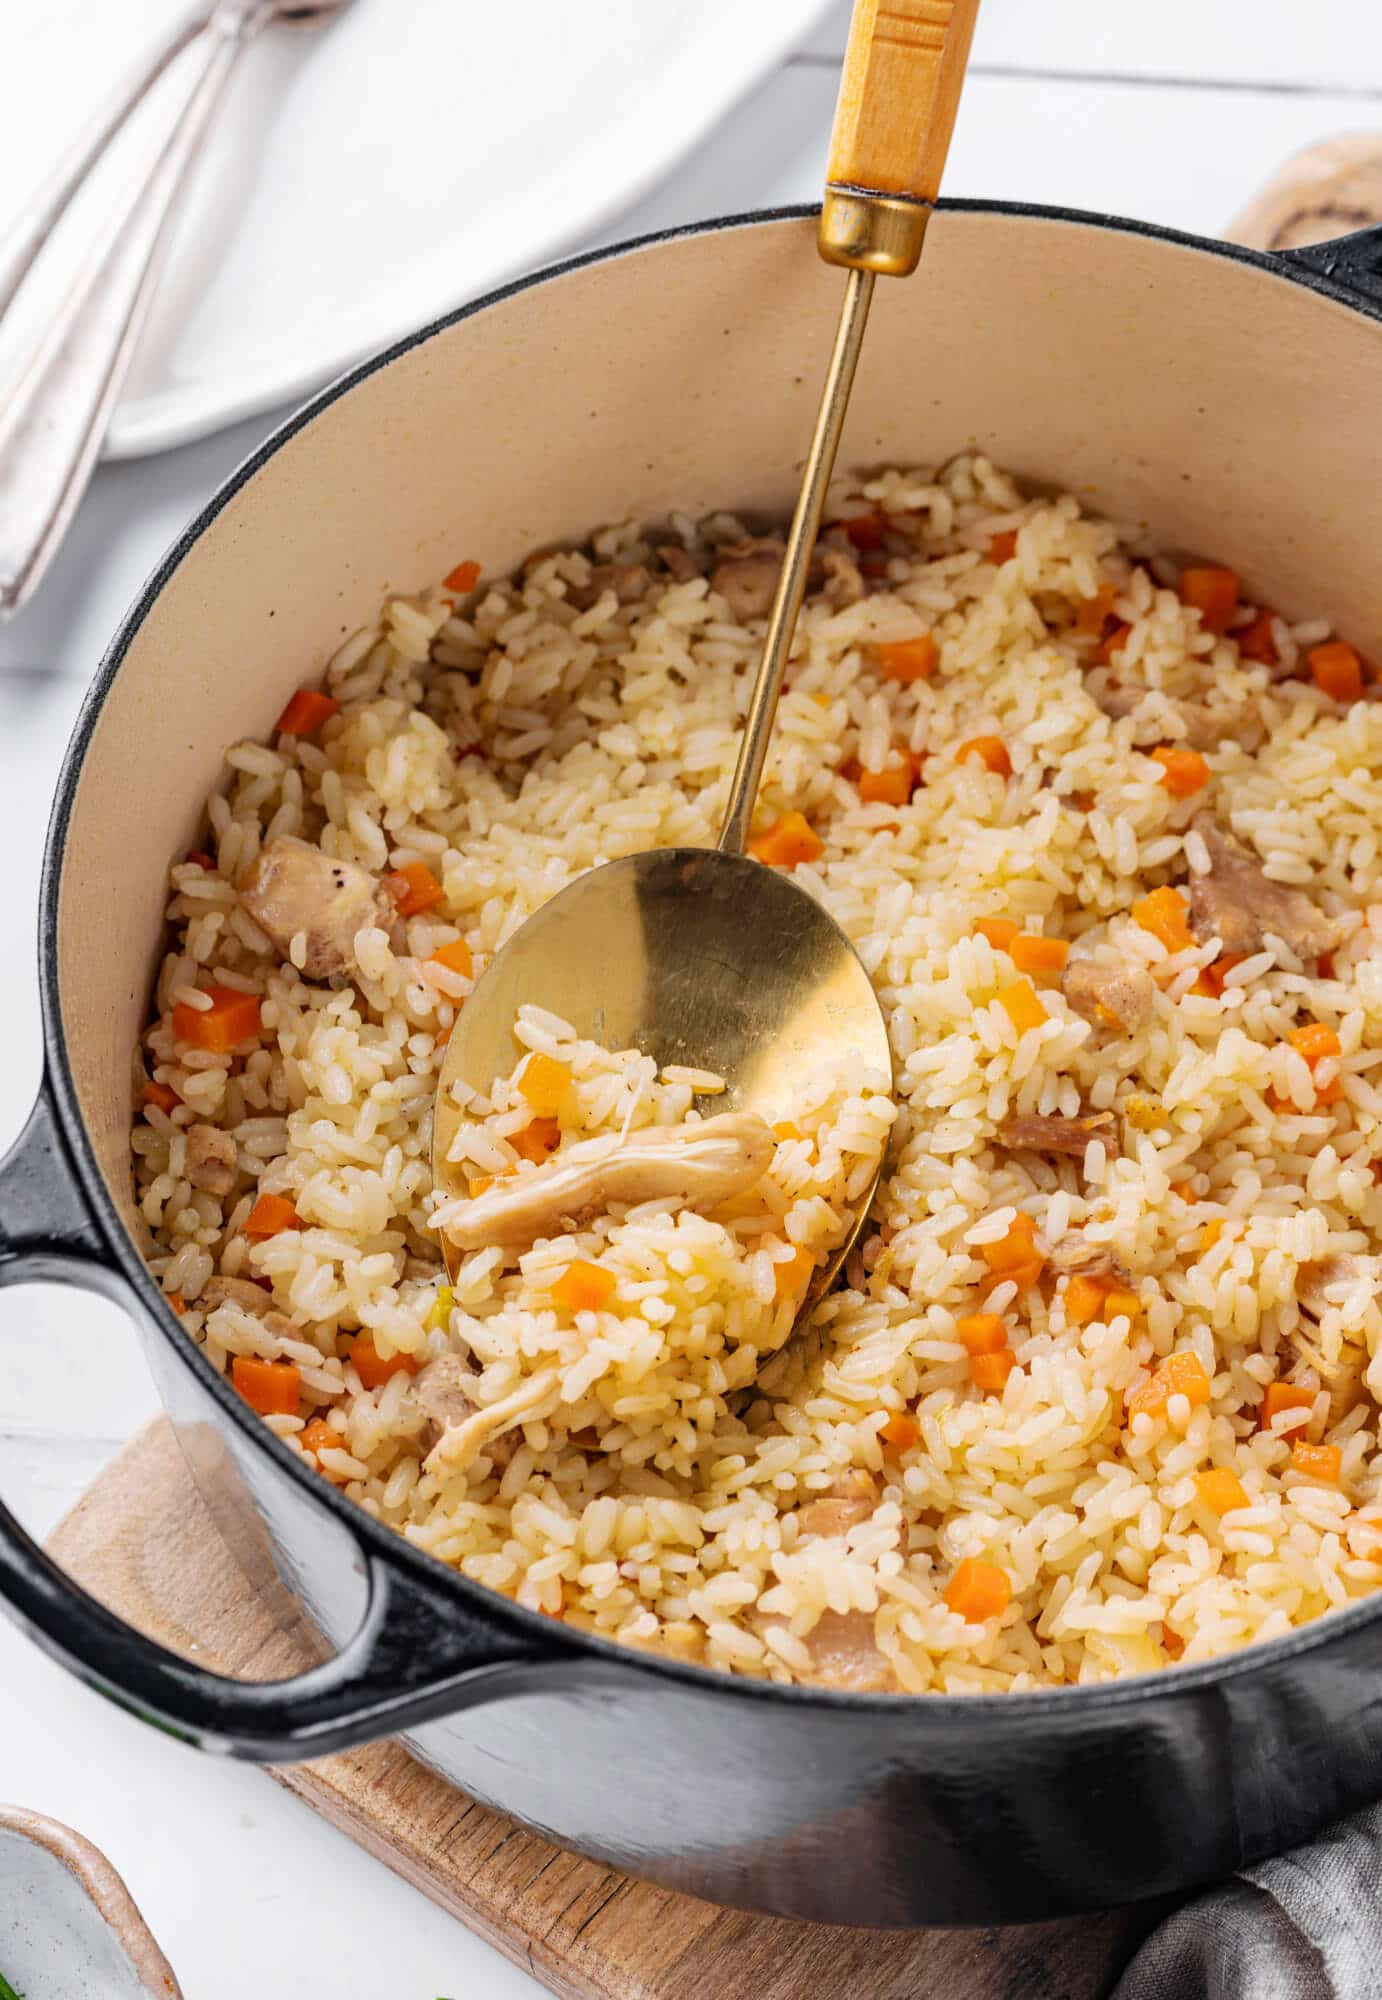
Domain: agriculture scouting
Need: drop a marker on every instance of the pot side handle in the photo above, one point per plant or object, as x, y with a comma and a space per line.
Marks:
1322, 214
414, 1657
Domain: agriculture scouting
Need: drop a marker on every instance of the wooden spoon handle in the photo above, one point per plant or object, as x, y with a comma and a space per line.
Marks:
904, 67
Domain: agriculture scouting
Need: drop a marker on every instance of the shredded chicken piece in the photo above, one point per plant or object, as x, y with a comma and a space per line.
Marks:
700, 1163
210, 1159
1112, 996
679, 562
293, 887
251, 1298
1076, 1257
1201, 727
746, 575
844, 582
1343, 1376
850, 1500
460, 1444
846, 1654
444, 1393
1240, 905
1030, 1131
628, 581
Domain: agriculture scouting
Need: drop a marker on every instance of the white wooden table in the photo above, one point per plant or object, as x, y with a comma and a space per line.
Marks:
1174, 113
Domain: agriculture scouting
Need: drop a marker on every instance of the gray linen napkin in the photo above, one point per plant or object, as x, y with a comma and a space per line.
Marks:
1306, 1926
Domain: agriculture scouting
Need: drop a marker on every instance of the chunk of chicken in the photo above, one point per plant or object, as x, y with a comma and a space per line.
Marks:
1238, 903
248, 1298
844, 582
1076, 1257
850, 1500
701, 1163
845, 1654
1319, 1286
678, 562
1199, 726
209, 1159
628, 581
746, 575
1110, 995
1031, 1132
443, 1393
293, 887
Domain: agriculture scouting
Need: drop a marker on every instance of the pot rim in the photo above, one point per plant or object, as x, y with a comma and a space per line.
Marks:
381, 1543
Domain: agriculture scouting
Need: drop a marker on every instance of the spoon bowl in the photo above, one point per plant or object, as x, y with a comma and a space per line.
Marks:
696, 957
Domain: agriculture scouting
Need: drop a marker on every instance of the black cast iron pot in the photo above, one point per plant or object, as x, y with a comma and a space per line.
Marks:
1231, 401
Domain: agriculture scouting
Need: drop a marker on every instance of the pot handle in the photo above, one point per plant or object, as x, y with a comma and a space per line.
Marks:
414, 1657
1321, 214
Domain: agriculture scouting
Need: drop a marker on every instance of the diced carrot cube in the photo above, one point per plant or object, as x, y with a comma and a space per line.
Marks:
1038, 954
476, 1184
1337, 670
1317, 1461
1210, 1235
893, 785
1021, 1005
320, 1436
908, 659
1213, 593
901, 1431
1003, 547
545, 1083
989, 1372
1013, 1251
177, 1302
1180, 1374
414, 888
1281, 1396
1000, 931
373, 1369
1314, 1041
991, 752
161, 1094
1183, 772
584, 1287
1257, 641
791, 1275
271, 1387
307, 710
789, 840
462, 579
1214, 976
1165, 914
271, 1214
1112, 643
982, 1333
1172, 1643
456, 957
785, 1129
978, 1591
1221, 1489
1084, 1300
233, 1017
536, 1140
1093, 613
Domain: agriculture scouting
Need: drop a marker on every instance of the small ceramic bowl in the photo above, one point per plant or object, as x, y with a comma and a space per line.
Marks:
67, 1922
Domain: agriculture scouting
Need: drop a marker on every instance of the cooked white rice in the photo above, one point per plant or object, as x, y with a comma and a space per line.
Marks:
516, 741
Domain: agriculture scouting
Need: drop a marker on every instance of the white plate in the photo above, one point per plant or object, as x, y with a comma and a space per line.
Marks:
367, 176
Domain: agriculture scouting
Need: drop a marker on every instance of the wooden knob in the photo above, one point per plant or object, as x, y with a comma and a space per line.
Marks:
904, 67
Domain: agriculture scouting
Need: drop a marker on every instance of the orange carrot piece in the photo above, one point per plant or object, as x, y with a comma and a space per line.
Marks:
1180, 1374
908, 659
1112, 643
545, 1082
1021, 1005
1210, 1235
1002, 548
1014, 1251
307, 710
1118, 1299
462, 579
1000, 931
414, 888
978, 1591
1318, 1461
271, 1387
1164, 913
901, 1431
271, 1214
1214, 976
373, 1369
177, 1302
1038, 954
584, 1287
456, 957
536, 1140
1314, 1041
232, 1018
1257, 641
982, 1333
989, 1372
790, 1277
866, 531
991, 751
1093, 613
1172, 1643
161, 1094
893, 785
1213, 593
319, 1436
1337, 669
1084, 1300
1281, 1396
786, 842
1183, 772
1221, 1489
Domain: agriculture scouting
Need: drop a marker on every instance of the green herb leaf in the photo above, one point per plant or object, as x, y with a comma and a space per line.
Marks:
7, 1992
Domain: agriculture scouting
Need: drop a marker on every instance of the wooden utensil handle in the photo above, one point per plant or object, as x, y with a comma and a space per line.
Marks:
904, 67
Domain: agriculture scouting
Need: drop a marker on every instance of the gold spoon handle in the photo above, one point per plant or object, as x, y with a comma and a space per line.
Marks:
899, 93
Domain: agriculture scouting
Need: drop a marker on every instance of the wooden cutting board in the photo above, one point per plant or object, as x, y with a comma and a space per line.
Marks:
142, 1541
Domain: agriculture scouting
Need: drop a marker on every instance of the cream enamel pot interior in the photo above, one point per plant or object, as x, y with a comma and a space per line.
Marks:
1233, 402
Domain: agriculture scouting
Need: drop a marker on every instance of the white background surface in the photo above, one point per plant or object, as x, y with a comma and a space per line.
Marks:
1172, 112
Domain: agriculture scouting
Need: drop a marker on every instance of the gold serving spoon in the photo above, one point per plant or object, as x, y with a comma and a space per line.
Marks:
701, 956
